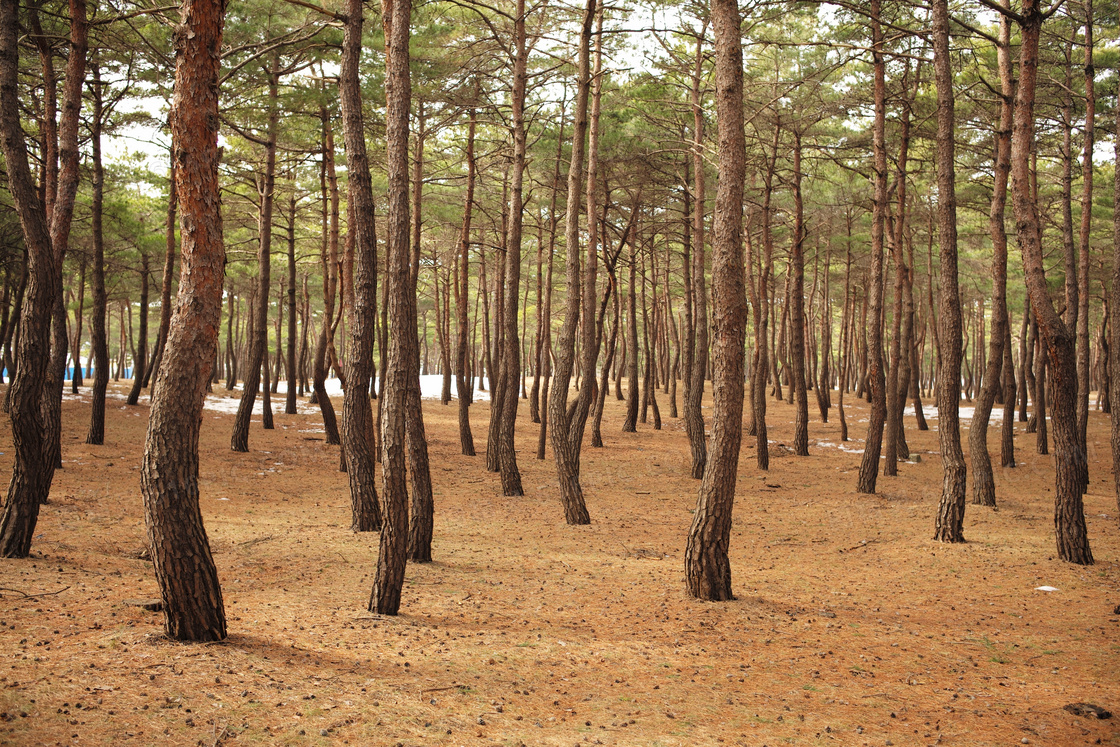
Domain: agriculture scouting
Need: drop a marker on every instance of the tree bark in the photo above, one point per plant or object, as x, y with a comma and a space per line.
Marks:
188, 579
1069, 515
466, 438
386, 596
329, 260
694, 417
708, 570
98, 334
511, 358
567, 458
357, 412
797, 310
950, 513
869, 465
983, 483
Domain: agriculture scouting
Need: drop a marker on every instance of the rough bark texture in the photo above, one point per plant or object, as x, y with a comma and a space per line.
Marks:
708, 570
511, 357
188, 580
694, 417
391, 556
329, 260
869, 465
950, 512
567, 457
1069, 514
1082, 344
983, 483
357, 413
797, 311
140, 358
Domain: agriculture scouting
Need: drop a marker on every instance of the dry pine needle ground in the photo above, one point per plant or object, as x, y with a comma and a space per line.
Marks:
851, 625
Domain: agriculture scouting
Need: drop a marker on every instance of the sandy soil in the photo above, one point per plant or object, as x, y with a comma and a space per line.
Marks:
851, 625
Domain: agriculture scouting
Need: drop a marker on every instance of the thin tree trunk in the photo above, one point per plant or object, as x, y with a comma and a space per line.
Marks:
98, 333
466, 439
258, 344
983, 483
869, 465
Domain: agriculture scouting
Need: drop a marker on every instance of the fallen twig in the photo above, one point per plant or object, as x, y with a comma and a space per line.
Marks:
42, 594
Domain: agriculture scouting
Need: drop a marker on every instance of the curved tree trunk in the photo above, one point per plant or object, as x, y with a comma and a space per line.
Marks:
567, 458
1069, 514
184, 567
140, 361
329, 260
33, 468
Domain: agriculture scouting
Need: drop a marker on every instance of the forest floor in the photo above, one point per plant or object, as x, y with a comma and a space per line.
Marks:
851, 626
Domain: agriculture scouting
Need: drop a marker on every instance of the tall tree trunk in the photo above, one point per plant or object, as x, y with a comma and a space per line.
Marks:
869, 465
511, 358
61, 217
983, 483
629, 425
567, 458
694, 417
140, 358
420, 527
44, 234
357, 412
392, 551
98, 334
1069, 514
329, 262
168, 279
466, 439
950, 512
188, 580
708, 570
797, 310
258, 344
1082, 344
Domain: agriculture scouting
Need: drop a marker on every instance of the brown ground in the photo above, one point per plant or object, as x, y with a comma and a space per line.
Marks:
851, 626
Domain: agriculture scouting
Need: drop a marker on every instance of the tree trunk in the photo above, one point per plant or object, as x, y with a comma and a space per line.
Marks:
797, 310
983, 483
1082, 344
694, 417
950, 513
188, 580
98, 335
140, 358
511, 358
1069, 515
567, 458
386, 596
466, 439
869, 465
357, 412
329, 261
258, 343
708, 570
